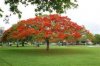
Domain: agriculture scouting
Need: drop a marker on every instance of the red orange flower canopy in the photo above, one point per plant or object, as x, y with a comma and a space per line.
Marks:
49, 26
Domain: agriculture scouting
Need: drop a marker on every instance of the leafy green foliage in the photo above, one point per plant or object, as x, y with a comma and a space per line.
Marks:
1, 11
97, 39
58, 6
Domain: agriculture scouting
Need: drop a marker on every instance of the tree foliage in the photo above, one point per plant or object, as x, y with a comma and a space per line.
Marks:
47, 27
96, 39
59, 6
52, 26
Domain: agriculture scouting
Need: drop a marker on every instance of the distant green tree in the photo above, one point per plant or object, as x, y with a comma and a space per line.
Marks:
59, 6
97, 39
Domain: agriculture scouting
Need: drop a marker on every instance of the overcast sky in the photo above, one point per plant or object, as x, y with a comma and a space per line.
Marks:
87, 14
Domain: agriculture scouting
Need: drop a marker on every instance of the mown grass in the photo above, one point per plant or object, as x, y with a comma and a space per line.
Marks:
56, 56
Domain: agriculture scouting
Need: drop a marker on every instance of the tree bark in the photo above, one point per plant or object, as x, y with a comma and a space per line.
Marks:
38, 45
1, 44
47, 42
22, 44
17, 44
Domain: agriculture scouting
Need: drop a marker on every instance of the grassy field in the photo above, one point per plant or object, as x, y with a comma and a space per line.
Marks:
56, 56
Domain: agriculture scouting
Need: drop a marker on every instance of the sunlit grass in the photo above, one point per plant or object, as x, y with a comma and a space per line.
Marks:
56, 56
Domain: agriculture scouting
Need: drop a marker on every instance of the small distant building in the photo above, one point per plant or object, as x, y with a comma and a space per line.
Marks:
89, 42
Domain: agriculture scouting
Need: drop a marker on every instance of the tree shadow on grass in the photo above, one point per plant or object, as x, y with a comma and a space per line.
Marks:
43, 52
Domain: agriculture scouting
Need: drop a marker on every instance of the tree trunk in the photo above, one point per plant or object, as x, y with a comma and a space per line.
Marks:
17, 44
1, 44
47, 42
38, 45
62, 43
22, 44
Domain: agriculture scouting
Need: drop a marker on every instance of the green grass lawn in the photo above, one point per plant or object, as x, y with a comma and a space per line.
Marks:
56, 56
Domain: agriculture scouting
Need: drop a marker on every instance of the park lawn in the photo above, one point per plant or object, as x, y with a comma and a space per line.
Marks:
56, 56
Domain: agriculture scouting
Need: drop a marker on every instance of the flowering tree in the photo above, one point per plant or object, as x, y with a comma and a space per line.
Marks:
48, 28
17, 33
